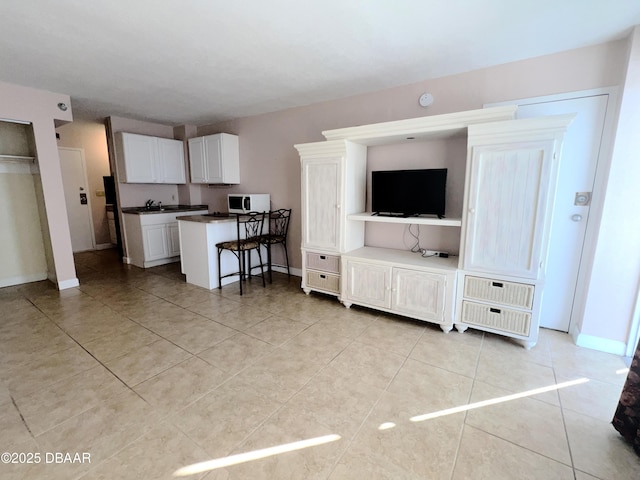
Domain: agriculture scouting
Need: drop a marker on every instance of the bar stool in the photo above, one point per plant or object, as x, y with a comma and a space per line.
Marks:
249, 229
277, 235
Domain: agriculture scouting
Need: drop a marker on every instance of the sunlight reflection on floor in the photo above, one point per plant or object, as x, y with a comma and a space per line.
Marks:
312, 442
253, 455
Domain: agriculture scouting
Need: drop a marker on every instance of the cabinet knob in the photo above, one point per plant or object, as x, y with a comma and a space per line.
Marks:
576, 218
472, 210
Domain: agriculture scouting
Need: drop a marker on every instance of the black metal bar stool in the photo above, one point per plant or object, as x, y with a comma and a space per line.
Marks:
249, 230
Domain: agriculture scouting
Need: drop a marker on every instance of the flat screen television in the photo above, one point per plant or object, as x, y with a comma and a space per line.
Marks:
407, 193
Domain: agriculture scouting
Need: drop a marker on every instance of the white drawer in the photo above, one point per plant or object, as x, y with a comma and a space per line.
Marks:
325, 263
323, 281
498, 291
497, 318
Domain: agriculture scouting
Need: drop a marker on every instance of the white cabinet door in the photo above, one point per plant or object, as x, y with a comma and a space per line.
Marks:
321, 203
155, 242
197, 163
139, 158
173, 239
506, 208
368, 284
170, 156
213, 155
214, 159
418, 294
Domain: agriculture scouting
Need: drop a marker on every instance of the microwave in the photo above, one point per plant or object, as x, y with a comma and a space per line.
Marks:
248, 202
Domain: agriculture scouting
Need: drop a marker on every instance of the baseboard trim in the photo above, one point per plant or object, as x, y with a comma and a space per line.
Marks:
71, 283
20, 279
297, 272
105, 246
597, 343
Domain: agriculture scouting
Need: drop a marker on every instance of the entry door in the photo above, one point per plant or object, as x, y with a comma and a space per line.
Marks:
580, 152
76, 194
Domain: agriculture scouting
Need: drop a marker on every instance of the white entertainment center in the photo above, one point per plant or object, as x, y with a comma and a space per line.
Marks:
496, 282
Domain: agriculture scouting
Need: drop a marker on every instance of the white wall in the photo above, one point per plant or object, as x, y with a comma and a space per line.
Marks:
615, 274
269, 163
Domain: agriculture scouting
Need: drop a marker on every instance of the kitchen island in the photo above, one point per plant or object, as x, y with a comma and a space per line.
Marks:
199, 235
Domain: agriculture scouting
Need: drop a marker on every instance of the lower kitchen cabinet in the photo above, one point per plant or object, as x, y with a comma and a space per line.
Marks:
153, 239
400, 282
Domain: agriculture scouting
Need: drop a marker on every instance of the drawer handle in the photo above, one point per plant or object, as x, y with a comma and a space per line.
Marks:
497, 284
495, 310
323, 276
323, 257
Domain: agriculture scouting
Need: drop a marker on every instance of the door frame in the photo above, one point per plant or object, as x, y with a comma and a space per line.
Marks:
599, 190
86, 182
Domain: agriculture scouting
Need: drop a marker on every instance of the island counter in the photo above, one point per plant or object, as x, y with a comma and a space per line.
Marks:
199, 235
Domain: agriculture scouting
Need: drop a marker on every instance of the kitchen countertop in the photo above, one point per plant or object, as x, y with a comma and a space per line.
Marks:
210, 218
164, 209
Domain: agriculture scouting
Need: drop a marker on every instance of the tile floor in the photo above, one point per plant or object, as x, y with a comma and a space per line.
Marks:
148, 374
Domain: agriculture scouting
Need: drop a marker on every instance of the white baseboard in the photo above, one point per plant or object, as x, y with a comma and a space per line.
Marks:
20, 279
283, 269
71, 283
126, 260
597, 343
105, 246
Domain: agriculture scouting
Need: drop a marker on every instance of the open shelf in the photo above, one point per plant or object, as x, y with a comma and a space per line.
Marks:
441, 222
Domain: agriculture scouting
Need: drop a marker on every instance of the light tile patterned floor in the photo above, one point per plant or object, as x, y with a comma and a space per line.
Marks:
149, 374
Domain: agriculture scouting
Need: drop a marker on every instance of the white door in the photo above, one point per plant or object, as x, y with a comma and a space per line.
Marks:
139, 158
197, 160
213, 155
507, 199
171, 160
173, 239
418, 293
155, 242
320, 203
76, 195
369, 284
580, 152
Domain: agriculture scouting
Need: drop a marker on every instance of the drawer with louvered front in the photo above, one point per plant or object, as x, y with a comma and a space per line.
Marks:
497, 291
497, 318
323, 262
323, 281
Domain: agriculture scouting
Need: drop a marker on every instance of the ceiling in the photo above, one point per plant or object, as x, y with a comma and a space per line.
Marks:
202, 61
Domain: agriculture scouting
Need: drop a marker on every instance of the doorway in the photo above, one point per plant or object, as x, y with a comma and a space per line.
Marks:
77, 198
563, 299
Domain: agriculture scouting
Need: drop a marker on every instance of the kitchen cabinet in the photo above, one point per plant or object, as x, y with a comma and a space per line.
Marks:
153, 239
215, 159
333, 186
146, 159
400, 282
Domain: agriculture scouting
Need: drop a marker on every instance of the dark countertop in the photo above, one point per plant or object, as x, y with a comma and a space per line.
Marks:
208, 218
164, 209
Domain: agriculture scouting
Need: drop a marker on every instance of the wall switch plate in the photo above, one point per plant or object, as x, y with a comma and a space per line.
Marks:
99, 193
582, 199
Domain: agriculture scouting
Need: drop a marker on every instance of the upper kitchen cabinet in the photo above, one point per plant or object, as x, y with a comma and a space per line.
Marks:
214, 159
145, 159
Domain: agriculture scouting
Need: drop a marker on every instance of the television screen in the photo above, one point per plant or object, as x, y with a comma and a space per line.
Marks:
409, 192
